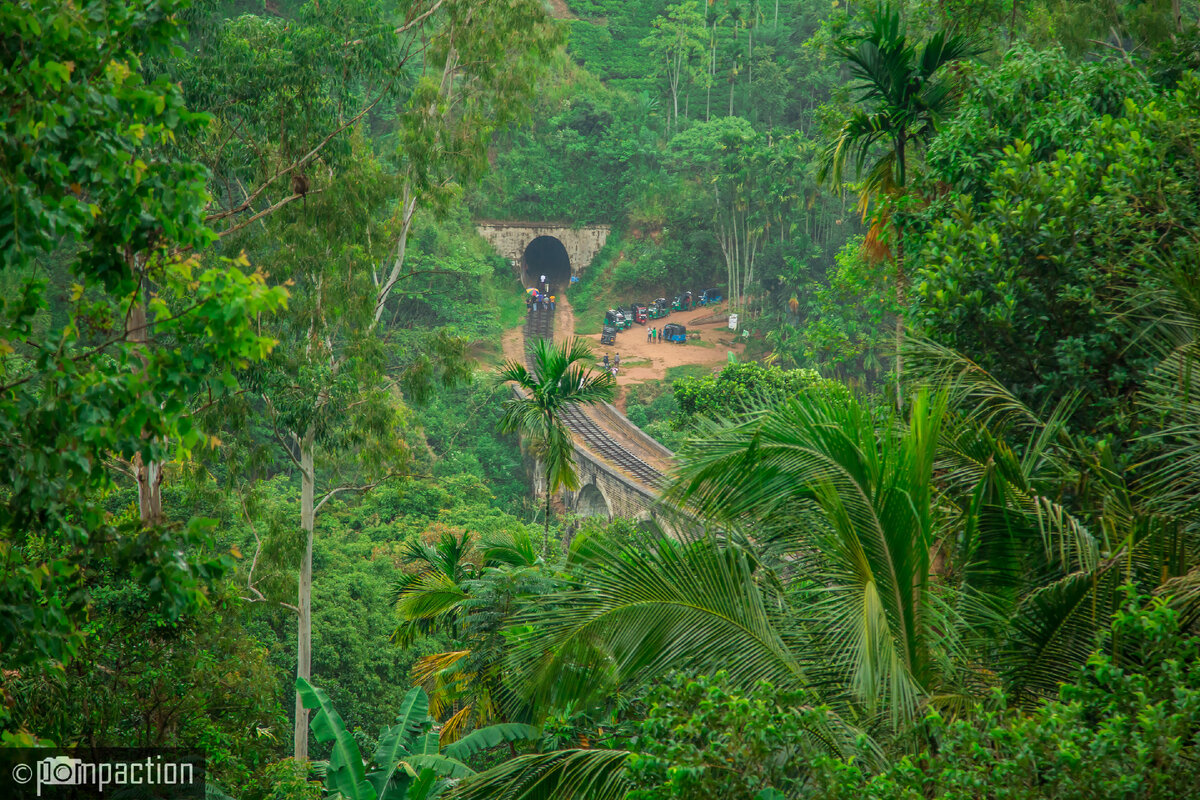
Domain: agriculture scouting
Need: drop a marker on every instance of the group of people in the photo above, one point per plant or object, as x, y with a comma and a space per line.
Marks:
538, 299
654, 335
612, 367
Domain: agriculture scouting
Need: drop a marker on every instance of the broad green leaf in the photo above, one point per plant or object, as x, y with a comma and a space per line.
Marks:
489, 737
345, 773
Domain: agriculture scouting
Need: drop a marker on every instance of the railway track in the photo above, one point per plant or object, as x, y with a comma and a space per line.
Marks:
540, 325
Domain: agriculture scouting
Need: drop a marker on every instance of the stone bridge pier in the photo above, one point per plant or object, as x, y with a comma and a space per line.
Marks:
607, 492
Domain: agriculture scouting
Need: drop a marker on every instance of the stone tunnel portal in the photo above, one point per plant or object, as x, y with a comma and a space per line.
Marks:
547, 256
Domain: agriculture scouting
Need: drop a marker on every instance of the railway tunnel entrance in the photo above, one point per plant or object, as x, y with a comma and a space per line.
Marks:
546, 255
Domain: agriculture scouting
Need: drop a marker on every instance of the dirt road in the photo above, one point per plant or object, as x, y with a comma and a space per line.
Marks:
641, 360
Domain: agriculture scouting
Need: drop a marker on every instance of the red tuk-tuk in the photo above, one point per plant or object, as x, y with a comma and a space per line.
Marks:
640, 315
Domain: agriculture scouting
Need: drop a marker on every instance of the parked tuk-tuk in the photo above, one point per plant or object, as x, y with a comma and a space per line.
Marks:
608, 335
677, 303
616, 319
659, 308
640, 313
674, 332
710, 296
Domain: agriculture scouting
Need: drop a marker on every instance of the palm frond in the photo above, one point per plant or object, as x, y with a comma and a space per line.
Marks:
431, 596
643, 608
513, 548
861, 509
1054, 631
560, 775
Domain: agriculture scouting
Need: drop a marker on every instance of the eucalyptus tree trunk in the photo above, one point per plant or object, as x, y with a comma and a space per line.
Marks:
304, 599
712, 71
408, 209
147, 474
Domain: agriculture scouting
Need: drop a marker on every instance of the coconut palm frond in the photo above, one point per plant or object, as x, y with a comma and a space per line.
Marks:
1054, 631
860, 507
427, 667
643, 608
560, 775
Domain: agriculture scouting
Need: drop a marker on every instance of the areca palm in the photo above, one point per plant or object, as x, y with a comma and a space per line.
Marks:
559, 380
904, 91
899, 82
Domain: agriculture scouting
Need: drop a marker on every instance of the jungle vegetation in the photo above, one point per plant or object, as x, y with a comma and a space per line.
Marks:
262, 490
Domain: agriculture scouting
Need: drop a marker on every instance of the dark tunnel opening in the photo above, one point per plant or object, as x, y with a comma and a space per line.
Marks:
546, 255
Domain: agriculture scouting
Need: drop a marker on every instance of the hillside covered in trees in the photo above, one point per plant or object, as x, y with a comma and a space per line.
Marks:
267, 491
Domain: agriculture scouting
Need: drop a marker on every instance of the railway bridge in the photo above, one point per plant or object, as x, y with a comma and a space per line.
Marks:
621, 469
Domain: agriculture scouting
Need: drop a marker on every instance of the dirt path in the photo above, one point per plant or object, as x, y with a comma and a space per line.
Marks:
643, 361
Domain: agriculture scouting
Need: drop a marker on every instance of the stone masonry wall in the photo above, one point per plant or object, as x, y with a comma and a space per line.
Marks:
511, 239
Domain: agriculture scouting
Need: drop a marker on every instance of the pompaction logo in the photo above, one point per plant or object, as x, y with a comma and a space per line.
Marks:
110, 773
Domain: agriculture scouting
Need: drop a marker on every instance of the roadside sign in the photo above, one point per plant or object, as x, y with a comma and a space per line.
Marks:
733, 322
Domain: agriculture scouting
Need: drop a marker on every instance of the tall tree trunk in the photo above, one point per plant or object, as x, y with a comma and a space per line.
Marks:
546, 533
408, 209
900, 277
304, 604
149, 475
712, 71
750, 71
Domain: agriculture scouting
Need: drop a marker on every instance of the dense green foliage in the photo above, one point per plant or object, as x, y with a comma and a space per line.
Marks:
261, 484
739, 388
1128, 727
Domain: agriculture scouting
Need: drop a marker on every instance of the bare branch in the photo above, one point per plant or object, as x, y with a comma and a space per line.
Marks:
364, 488
265, 212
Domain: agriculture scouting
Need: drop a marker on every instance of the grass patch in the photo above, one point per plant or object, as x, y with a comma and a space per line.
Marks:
512, 305
688, 371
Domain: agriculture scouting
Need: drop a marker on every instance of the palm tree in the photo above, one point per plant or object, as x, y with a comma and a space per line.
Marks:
559, 381
450, 594
834, 505
904, 95
883, 568
912, 591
